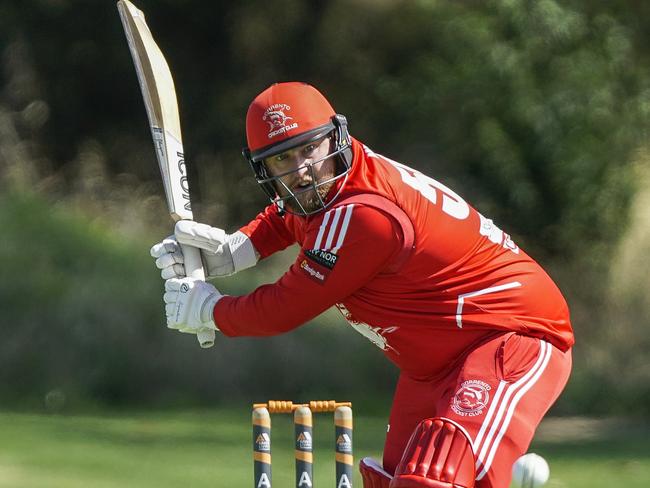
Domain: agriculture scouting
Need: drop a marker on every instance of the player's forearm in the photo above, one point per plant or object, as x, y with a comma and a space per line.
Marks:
312, 285
267, 311
290, 302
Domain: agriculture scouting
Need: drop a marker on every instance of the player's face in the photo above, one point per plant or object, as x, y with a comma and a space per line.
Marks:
299, 169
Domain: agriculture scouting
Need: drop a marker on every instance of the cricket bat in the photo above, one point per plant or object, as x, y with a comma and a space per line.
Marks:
159, 96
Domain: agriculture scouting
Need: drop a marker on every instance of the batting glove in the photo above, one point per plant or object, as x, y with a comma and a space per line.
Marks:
189, 304
222, 254
169, 258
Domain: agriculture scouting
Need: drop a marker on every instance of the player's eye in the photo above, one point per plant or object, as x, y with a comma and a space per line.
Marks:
280, 157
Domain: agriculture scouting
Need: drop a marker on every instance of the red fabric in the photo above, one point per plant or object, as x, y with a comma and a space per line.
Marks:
285, 110
498, 393
309, 288
270, 233
425, 303
438, 455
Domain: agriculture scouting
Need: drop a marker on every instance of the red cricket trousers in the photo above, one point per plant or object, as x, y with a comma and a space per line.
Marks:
499, 393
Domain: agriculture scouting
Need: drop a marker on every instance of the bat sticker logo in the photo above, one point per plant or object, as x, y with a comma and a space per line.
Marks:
184, 183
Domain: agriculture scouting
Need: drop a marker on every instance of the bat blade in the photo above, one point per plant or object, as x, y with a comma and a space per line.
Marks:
159, 94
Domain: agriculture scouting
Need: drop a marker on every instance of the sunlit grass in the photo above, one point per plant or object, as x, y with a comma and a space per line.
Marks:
163, 450
213, 448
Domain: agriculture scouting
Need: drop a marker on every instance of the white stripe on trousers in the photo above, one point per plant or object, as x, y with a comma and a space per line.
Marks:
503, 406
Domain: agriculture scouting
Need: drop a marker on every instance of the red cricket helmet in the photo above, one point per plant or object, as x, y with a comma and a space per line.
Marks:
287, 115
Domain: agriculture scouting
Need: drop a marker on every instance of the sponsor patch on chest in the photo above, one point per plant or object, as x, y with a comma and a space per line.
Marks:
324, 258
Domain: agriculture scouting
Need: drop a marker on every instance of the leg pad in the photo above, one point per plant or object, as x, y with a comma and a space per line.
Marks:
438, 455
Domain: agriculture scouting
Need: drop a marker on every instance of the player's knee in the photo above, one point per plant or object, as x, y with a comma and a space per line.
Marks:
438, 455
373, 475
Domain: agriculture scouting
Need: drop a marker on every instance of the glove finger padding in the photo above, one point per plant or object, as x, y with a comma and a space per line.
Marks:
203, 236
222, 254
213, 244
174, 271
169, 245
169, 258
170, 311
438, 455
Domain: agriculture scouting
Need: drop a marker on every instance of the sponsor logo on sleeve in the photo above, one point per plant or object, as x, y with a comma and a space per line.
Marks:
322, 257
319, 276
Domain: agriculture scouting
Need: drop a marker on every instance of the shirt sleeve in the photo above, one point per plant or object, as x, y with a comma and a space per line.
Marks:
352, 244
268, 232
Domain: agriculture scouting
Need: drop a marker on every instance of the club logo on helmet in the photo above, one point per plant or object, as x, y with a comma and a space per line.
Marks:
277, 119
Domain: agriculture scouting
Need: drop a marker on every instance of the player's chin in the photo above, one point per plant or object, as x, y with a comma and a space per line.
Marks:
311, 200
304, 203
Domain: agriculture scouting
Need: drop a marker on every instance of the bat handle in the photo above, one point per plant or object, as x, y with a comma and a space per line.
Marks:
194, 269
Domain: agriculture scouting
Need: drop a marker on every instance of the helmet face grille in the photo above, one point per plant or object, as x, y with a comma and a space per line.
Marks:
290, 202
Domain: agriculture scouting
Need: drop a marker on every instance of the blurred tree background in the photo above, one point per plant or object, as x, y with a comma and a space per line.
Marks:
537, 112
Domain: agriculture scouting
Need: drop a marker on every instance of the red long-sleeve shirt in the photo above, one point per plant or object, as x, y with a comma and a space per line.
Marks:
409, 264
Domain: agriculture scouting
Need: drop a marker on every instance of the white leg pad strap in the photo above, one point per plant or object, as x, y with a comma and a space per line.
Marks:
373, 474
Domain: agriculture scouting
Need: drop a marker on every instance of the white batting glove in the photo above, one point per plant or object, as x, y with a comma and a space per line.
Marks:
222, 254
189, 304
169, 258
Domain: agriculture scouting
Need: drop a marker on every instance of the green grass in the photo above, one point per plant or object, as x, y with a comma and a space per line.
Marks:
192, 449
595, 453
197, 449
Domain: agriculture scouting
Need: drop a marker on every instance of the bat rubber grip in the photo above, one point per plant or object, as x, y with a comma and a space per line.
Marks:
194, 269
206, 338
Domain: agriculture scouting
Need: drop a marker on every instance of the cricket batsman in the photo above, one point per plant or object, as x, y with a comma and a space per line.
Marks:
480, 333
